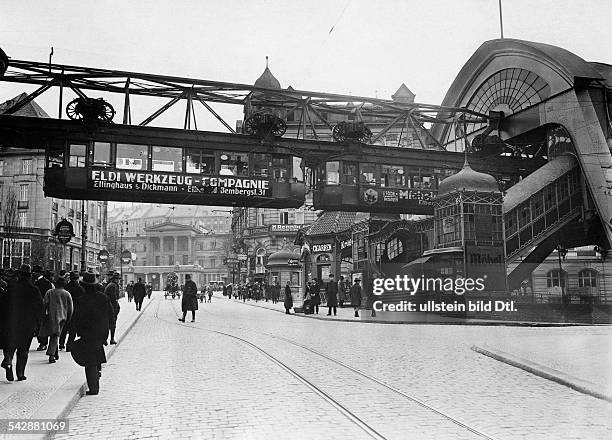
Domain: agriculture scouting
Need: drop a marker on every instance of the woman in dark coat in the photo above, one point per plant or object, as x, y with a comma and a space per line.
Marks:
20, 310
93, 314
288, 299
190, 298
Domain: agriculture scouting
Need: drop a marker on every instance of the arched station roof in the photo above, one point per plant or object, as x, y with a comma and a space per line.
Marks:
503, 65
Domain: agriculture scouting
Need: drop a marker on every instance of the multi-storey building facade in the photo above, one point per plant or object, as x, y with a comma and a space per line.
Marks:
28, 218
166, 240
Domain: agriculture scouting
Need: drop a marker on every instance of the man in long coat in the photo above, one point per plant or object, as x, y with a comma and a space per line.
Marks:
91, 321
288, 299
20, 310
112, 293
43, 285
331, 292
190, 298
76, 291
140, 291
58, 304
356, 297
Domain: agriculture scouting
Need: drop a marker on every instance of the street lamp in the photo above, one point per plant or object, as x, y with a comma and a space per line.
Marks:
121, 230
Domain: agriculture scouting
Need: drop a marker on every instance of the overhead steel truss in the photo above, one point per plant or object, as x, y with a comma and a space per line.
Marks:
310, 105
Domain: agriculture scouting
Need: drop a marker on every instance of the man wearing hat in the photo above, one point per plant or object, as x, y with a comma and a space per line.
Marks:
43, 285
331, 292
112, 293
20, 311
356, 296
91, 322
76, 291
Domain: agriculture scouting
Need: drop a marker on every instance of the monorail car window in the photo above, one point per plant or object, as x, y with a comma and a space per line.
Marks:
298, 171
280, 166
132, 157
168, 159
349, 173
332, 173
234, 164
392, 176
261, 165
101, 155
198, 161
368, 174
77, 155
55, 156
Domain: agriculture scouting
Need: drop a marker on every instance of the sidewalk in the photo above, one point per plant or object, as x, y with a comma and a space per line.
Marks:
51, 389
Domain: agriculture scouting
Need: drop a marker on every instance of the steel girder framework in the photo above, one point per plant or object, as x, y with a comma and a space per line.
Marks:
310, 105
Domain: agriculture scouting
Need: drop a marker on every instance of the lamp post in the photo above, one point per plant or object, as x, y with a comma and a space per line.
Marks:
121, 230
561, 252
83, 238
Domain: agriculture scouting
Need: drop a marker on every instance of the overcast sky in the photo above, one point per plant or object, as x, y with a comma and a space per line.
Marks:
361, 47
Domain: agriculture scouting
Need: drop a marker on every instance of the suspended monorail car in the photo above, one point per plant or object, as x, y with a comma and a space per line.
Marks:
159, 165
395, 186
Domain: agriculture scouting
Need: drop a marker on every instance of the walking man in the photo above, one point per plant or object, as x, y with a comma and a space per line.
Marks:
139, 292
130, 291
331, 292
59, 307
342, 290
20, 310
288, 299
92, 316
112, 293
76, 291
356, 297
190, 298
43, 285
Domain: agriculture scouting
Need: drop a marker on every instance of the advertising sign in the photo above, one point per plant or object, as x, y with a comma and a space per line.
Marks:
242, 257
103, 256
160, 183
126, 257
418, 201
231, 260
64, 231
326, 247
293, 262
285, 228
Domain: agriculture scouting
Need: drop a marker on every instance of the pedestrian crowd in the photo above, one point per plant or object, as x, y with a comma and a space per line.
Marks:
72, 312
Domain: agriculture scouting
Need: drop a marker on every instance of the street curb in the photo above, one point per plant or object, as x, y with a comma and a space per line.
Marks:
61, 402
469, 322
575, 383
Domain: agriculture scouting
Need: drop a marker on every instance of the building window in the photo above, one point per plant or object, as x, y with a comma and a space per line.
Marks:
587, 278
1, 168
26, 166
23, 219
284, 218
213, 262
15, 252
170, 260
185, 259
102, 154
157, 260
24, 191
394, 248
260, 256
298, 217
556, 278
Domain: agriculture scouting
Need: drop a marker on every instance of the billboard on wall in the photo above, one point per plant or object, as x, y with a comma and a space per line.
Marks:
177, 183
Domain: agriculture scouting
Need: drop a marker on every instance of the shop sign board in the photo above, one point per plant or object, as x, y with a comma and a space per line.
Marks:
325, 247
64, 231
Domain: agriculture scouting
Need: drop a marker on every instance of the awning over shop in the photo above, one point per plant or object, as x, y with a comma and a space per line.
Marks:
418, 261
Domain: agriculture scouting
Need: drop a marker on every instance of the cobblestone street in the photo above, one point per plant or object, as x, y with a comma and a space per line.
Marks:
197, 380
